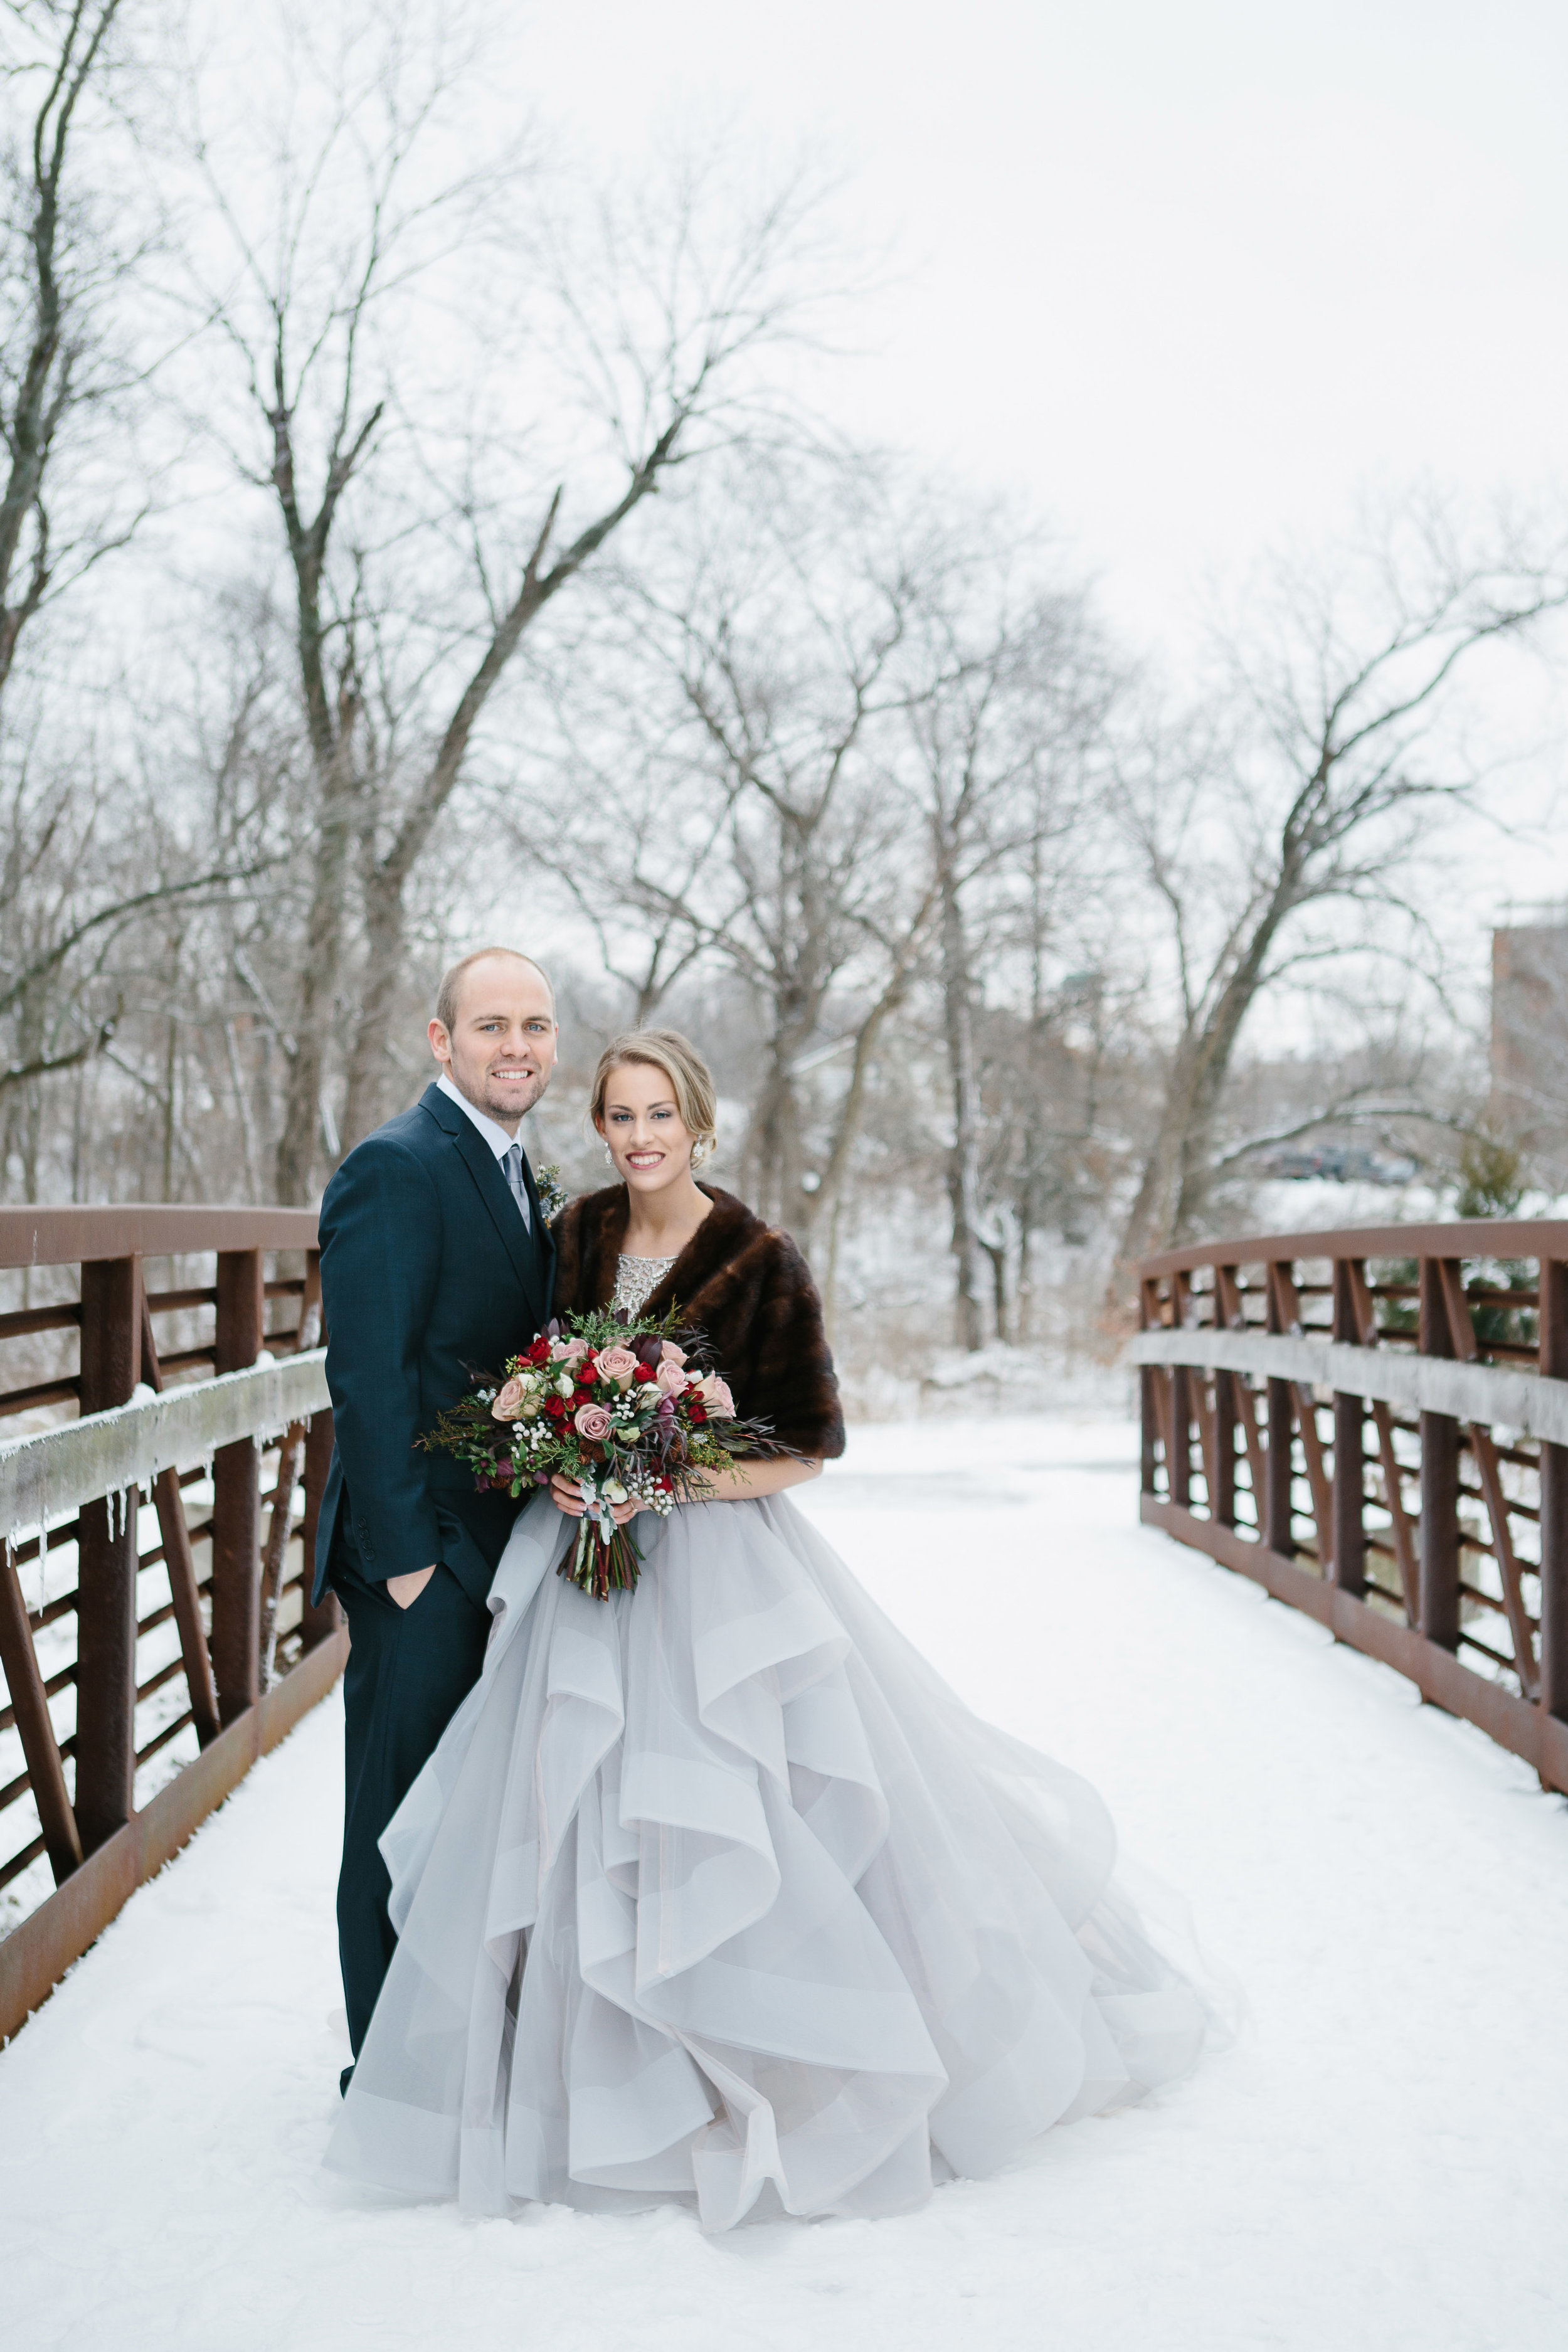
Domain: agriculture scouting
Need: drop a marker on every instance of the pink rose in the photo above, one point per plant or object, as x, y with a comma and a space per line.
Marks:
717, 1398
669, 1379
618, 1364
592, 1422
670, 1354
568, 1351
507, 1405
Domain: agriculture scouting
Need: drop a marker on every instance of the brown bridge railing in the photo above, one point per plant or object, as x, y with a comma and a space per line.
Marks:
1374, 1424
163, 1446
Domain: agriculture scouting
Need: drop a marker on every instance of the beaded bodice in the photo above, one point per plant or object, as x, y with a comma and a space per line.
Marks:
638, 1279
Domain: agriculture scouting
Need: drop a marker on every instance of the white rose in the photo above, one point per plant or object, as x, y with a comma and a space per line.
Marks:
615, 1493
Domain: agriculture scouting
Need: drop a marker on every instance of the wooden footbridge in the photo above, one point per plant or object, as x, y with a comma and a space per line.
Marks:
1373, 1424
155, 1628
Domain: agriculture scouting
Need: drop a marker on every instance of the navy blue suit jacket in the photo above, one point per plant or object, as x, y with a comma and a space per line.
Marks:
428, 1273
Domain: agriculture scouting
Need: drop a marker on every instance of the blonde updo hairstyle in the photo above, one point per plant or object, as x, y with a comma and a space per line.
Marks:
690, 1082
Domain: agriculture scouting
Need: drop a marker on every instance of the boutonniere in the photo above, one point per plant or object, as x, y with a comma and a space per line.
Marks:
552, 1193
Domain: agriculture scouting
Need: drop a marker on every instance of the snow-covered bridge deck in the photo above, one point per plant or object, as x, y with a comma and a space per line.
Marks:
1380, 2163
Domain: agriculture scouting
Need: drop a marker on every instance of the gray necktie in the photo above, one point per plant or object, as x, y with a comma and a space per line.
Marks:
512, 1168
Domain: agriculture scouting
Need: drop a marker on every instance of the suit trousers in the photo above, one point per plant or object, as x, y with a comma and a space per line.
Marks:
408, 1671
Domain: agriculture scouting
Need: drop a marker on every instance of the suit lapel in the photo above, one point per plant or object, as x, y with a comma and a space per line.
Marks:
496, 1194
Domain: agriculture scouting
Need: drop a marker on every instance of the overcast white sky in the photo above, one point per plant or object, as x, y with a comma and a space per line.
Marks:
1188, 276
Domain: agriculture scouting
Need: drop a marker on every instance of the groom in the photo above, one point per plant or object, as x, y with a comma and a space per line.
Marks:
436, 1259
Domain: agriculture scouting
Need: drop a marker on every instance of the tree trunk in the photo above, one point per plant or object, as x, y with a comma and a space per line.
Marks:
318, 986
79, 1133
774, 1146
1030, 1194
1178, 1175
1150, 1219
171, 1082
829, 1201
30, 1048
963, 1164
370, 1063
997, 1253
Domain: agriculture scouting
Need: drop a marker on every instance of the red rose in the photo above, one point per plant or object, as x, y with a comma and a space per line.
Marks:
555, 1408
697, 1414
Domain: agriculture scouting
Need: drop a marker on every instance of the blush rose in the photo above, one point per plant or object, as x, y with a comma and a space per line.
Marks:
507, 1405
592, 1422
618, 1364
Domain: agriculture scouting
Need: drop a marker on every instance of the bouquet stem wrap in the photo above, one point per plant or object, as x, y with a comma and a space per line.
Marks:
608, 1559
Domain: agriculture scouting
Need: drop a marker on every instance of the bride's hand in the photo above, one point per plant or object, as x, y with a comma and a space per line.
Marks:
567, 1496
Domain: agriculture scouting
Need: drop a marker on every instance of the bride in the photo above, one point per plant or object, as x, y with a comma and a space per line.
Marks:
715, 1890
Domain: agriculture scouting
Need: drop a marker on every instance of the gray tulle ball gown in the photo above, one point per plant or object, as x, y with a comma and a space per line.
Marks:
715, 1892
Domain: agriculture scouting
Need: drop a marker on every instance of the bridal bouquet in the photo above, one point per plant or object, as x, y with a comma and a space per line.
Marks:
621, 1407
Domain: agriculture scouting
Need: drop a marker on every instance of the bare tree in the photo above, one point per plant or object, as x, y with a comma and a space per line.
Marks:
755, 828
64, 371
93, 879
304, 286
665, 317
421, 551
1279, 840
1009, 699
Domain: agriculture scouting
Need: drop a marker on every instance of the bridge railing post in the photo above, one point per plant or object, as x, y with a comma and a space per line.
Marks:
1279, 1529
1350, 1451
1222, 1502
316, 1624
1439, 1529
237, 1498
106, 1565
1179, 1467
1148, 1401
1553, 1359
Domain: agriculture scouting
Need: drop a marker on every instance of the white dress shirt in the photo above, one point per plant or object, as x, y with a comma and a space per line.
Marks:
495, 1135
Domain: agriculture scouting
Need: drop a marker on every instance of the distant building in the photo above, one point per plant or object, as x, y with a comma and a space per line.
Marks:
1336, 1163
1530, 1031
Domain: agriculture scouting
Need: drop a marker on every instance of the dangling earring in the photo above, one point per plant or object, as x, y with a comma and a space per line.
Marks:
702, 1151
609, 1156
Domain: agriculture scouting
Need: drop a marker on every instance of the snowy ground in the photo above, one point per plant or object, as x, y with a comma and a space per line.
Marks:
1378, 2164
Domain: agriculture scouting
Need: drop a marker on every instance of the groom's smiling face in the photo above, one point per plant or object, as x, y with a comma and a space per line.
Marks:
501, 1048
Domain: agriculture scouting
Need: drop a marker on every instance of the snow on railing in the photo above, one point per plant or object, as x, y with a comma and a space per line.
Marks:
107, 1454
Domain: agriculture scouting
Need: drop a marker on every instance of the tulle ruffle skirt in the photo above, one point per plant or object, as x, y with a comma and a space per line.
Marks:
716, 1892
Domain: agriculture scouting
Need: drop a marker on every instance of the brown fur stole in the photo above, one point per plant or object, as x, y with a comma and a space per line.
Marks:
744, 1284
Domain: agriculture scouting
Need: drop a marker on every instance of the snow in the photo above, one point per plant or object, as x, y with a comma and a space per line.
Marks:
1379, 2162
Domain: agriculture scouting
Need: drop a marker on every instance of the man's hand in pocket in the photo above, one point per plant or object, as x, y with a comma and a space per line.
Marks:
405, 1589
